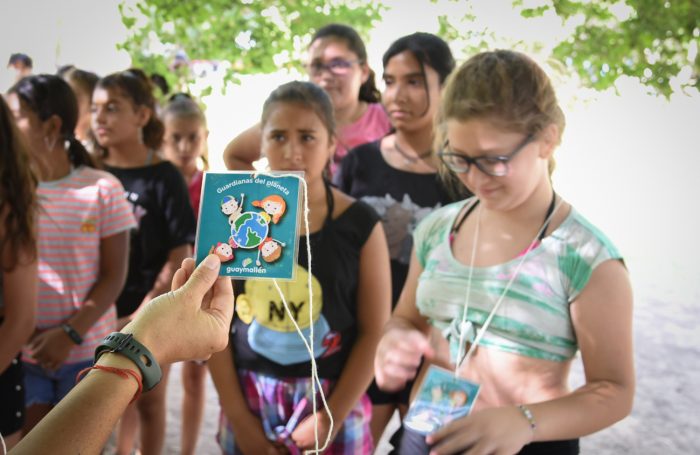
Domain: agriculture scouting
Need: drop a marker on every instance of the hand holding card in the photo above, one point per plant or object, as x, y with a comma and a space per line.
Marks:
442, 398
251, 222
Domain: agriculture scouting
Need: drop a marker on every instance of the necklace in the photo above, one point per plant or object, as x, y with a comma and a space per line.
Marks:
547, 216
409, 158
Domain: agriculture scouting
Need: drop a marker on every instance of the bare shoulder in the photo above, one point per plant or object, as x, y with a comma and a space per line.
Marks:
341, 202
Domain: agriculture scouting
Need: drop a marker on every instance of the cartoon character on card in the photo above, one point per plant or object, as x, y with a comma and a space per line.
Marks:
273, 205
272, 320
231, 207
224, 250
270, 250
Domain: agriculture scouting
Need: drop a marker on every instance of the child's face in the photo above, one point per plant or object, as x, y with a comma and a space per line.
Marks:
229, 207
272, 207
184, 141
458, 398
269, 248
224, 250
343, 84
527, 170
115, 118
295, 139
410, 97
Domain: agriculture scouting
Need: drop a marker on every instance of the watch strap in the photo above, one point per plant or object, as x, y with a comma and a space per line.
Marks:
126, 345
72, 333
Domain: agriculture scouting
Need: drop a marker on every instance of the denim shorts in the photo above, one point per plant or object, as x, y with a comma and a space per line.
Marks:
49, 387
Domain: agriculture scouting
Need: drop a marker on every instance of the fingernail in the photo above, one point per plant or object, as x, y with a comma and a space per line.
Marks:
211, 262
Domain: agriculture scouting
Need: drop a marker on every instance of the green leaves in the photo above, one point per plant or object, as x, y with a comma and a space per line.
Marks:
253, 36
651, 40
654, 41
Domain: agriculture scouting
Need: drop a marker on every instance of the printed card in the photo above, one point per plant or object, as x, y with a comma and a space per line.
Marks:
251, 221
442, 397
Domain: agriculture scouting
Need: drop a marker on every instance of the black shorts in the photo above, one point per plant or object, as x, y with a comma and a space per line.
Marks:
414, 443
12, 395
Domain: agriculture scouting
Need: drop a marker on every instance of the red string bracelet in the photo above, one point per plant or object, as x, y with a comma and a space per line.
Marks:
123, 372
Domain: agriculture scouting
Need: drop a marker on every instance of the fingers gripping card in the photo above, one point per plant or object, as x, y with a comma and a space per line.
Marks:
251, 221
442, 398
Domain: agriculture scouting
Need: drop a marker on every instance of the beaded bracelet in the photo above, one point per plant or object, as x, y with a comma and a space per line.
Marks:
528, 415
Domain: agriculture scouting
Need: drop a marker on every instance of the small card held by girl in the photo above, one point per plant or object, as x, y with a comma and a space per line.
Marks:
442, 397
251, 221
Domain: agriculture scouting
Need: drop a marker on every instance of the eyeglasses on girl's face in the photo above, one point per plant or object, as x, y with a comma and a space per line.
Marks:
337, 67
496, 166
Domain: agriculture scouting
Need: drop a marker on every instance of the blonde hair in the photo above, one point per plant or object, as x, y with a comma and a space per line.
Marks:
505, 87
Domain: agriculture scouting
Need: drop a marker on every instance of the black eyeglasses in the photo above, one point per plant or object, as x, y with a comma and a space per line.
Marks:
496, 166
338, 67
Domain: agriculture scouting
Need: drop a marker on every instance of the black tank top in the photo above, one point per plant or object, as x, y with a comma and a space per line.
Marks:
263, 336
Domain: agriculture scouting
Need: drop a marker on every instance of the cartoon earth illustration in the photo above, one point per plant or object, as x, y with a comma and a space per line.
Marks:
249, 230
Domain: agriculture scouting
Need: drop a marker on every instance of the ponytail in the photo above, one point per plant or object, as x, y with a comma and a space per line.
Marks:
77, 153
369, 91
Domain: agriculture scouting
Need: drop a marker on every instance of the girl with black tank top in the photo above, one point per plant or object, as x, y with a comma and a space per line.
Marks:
265, 369
397, 175
129, 135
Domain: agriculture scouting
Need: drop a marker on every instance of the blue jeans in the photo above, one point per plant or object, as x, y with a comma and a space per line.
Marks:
49, 387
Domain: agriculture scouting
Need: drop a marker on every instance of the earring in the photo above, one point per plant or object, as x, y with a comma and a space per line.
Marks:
140, 135
49, 145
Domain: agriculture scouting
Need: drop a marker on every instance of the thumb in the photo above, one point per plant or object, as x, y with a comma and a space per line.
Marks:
202, 278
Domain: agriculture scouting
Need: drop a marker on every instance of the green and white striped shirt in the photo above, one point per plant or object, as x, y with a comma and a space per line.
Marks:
534, 318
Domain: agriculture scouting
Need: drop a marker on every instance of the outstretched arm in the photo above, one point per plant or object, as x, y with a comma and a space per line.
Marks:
191, 323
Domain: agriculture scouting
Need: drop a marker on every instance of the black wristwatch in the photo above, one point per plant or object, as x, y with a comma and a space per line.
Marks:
70, 331
126, 345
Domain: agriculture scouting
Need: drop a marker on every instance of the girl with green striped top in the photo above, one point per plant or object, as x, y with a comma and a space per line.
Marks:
506, 287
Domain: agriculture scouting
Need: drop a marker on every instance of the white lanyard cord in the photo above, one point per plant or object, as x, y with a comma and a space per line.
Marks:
487, 322
315, 380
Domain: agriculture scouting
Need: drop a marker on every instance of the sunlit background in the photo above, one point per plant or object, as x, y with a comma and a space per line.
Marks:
629, 161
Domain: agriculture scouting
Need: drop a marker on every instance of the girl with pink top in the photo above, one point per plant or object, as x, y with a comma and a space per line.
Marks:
337, 62
84, 225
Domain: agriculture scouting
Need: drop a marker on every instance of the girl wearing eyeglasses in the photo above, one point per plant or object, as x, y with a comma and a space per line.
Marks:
397, 174
337, 62
506, 287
